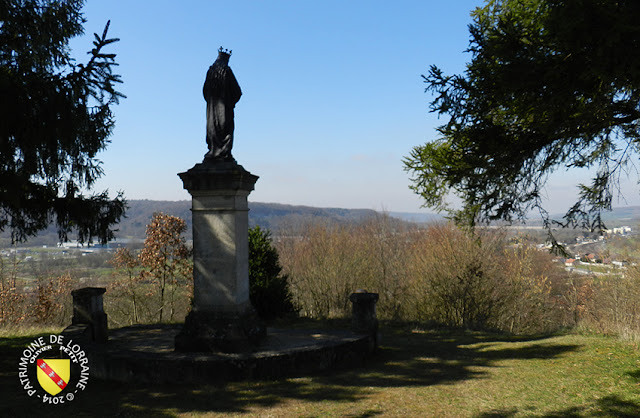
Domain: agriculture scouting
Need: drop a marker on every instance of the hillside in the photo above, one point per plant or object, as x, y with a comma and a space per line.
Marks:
276, 217
273, 216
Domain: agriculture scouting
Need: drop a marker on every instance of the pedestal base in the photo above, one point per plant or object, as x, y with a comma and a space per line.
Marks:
220, 332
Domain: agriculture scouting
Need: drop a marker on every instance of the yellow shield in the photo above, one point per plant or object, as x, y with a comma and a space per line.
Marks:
53, 374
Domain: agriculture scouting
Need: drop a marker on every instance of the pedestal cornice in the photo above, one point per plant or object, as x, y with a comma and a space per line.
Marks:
213, 175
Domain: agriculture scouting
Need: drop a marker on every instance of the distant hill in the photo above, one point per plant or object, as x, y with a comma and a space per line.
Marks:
628, 215
278, 217
139, 214
275, 216
272, 216
620, 216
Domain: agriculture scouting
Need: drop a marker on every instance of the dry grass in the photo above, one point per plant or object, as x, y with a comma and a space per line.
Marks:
12, 331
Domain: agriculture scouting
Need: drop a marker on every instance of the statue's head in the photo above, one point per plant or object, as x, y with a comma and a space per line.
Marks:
223, 55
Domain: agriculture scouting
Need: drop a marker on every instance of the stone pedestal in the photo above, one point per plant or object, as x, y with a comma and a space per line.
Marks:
222, 318
88, 310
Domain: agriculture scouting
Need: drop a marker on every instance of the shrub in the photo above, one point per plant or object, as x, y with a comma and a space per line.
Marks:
12, 307
54, 306
268, 287
457, 281
326, 264
613, 305
529, 306
438, 275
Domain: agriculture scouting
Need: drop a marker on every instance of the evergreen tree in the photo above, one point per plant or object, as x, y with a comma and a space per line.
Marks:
551, 85
268, 287
56, 117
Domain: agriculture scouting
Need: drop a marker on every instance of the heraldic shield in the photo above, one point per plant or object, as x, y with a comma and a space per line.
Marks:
53, 374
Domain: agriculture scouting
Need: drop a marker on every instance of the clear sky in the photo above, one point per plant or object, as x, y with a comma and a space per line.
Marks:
332, 101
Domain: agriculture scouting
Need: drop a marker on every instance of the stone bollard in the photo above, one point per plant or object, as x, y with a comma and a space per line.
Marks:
88, 310
363, 316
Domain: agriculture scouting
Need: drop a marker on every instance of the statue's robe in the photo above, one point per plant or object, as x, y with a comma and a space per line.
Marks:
222, 92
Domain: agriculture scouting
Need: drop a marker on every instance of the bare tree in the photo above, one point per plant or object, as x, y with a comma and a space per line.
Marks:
165, 258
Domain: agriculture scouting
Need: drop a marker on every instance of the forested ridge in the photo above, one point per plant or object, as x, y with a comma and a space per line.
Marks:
272, 216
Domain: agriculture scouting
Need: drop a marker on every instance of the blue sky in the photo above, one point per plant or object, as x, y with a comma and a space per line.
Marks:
333, 97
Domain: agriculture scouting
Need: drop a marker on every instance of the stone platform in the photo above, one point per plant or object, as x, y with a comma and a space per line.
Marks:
145, 354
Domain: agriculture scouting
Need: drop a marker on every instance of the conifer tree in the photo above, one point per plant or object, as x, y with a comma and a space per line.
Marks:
268, 287
55, 117
551, 86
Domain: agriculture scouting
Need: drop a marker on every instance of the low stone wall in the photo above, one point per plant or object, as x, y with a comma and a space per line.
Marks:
146, 353
152, 364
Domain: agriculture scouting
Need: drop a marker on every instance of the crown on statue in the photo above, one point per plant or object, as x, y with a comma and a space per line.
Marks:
222, 50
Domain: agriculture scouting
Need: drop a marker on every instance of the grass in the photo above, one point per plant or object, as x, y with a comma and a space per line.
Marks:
11, 332
416, 373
